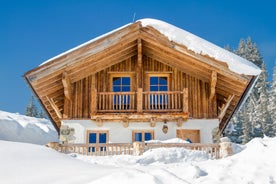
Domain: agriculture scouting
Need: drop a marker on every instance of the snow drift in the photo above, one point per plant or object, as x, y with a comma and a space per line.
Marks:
20, 128
32, 164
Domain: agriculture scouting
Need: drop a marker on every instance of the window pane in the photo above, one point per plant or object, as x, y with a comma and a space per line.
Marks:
116, 88
163, 80
102, 137
163, 88
126, 80
153, 80
148, 136
92, 138
138, 137
116, 81
125, 88
153, 88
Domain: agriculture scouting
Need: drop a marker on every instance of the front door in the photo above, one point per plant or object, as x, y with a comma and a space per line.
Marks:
96, 138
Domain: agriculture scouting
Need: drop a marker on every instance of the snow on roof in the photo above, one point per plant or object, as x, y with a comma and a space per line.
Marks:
198, 45
194, 43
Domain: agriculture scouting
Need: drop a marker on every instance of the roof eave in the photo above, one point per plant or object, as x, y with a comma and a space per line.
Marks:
242, 100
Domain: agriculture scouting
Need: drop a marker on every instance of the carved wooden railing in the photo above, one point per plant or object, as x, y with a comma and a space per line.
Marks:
151, 101
213, 150
116, 101
97, 149
163, 101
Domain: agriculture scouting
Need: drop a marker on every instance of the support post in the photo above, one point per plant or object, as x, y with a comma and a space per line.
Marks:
67, 86
139, 100
94, 95
213, 83
93, 101
185, 100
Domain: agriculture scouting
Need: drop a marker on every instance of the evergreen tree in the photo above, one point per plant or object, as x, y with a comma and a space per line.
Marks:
254, 119
272, 100
31, 109
41, 114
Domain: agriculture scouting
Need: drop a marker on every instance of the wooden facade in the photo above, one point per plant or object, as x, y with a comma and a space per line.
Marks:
78, 84
81, 104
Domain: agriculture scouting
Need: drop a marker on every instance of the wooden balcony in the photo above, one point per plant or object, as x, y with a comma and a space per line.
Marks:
161, 101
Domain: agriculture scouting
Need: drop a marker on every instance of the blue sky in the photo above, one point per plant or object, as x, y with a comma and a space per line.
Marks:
32, 31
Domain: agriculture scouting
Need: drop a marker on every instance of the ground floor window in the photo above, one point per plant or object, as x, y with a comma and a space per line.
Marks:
94, 140
142, 135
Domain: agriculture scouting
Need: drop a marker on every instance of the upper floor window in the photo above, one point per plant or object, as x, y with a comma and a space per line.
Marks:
158, 83
121, 84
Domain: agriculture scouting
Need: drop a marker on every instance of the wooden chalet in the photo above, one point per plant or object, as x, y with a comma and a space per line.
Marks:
136, 84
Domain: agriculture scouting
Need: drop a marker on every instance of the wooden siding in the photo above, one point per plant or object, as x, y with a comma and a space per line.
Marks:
199, 105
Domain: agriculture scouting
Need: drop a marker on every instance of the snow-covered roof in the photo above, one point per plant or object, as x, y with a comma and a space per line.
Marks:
194, 43
198, 45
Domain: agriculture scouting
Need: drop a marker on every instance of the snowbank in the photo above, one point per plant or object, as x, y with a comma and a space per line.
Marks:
20, 128
255, 163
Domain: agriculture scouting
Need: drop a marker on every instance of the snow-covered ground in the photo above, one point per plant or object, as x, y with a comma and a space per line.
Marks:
24, 163
20, 128
31, 164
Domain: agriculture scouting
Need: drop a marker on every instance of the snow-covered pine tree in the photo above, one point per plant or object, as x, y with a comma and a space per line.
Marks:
272, 100
31, 109
254, 117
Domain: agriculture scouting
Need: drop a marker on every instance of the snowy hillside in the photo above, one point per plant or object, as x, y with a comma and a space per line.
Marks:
31, 164
20, 128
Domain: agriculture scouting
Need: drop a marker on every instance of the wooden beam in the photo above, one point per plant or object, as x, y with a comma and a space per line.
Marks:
225, 107
185, 100
139, 100
94, 95
141, 117
55, 108
67, 86
139, 76
213, 83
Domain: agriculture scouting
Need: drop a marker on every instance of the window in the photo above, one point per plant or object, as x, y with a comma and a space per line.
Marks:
97, 137
121, 84
142, 135
158, 83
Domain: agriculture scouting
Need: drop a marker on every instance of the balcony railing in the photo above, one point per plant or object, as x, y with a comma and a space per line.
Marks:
163, 101
116, 101
151, 101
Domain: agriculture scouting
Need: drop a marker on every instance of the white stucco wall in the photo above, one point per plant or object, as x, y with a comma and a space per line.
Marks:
119, 134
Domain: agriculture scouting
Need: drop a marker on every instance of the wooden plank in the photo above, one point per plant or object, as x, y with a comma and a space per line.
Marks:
94, 95
139, 100
67, 86
225, 107
193, 135
185, 100
53, 105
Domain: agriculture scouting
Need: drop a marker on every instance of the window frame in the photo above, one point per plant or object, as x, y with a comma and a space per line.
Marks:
97, 136
120, 75
167, 75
